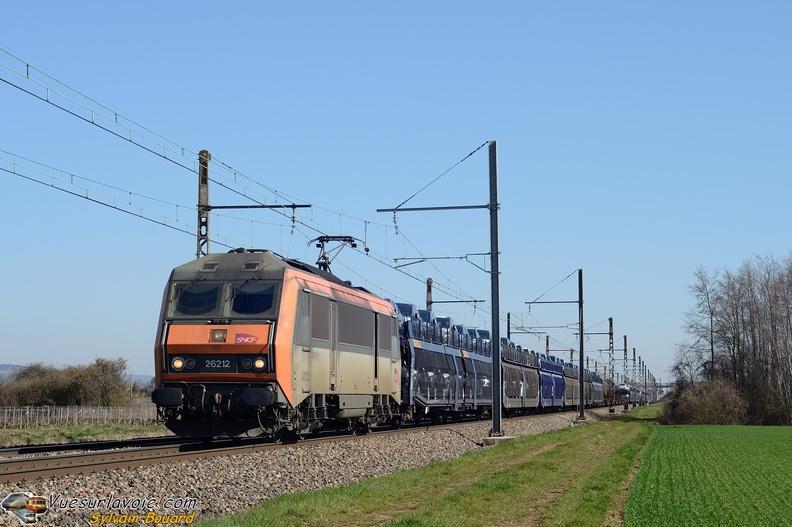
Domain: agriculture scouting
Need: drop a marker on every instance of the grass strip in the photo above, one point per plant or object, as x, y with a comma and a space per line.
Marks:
550, 479
590, 497
74, 433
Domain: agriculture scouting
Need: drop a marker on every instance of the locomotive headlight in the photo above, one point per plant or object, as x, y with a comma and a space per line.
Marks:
190, 364
217, 335
260, 363
247, 363
177, 363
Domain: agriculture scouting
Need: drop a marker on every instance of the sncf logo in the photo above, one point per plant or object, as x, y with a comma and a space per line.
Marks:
242, 338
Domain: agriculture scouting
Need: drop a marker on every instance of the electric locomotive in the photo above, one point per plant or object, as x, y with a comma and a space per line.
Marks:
253, 344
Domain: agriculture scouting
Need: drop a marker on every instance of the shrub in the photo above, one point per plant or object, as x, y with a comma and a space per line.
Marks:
711, 403
101, 383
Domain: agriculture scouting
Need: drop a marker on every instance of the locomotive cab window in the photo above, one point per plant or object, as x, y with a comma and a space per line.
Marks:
196, 299
253, 298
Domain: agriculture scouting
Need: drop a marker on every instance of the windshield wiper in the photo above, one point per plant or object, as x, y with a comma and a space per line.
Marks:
238, 290
185, 288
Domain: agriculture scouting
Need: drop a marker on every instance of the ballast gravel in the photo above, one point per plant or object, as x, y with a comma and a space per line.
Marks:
170, 493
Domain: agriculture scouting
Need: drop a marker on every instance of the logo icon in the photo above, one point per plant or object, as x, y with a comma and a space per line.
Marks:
243, 338
25, 506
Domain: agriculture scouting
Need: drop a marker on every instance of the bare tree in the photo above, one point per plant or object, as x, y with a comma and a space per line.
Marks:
700, 319
687, 364
741, 324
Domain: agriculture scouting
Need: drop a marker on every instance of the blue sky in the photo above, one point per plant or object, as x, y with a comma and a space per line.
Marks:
637, 141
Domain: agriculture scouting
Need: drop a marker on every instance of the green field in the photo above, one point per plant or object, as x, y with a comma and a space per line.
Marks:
714, 475
586, 476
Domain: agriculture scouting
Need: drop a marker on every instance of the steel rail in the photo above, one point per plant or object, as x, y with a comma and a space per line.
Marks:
18, 469
89, 445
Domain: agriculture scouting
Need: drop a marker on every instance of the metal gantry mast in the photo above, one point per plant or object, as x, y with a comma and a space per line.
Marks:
579, 302
204, 157
626, 382
493, 207
612, 393
203, 203
582, 414
497, 382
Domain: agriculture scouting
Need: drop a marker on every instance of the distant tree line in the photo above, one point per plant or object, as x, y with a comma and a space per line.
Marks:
740, 355
101, 383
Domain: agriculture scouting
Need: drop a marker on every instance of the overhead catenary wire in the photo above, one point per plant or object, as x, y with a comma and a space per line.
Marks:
443, 174
170, 150
68, 179
89, 110
112, 122
175, 224
139, 214
43, 172
225, 180
432, 265
559, 283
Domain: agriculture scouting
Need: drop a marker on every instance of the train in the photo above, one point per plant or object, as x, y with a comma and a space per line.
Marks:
252, 344
627, 394
24, 506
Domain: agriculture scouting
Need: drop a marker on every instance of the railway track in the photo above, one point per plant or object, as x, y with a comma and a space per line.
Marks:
89, 445
45, 461
119, 455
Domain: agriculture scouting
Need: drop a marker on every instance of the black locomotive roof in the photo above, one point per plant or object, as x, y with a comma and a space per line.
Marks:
244, 263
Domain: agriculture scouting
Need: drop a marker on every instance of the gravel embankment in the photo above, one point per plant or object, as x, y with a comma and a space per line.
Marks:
223, 485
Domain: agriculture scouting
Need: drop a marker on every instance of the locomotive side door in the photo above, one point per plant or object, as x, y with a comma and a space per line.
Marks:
324, 338
377, 339
333, 344
302, 340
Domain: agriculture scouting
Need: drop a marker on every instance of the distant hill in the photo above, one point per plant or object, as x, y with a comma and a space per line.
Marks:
7, 369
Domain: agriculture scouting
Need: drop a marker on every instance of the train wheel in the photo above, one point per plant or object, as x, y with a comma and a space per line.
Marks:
358, 428
285, 435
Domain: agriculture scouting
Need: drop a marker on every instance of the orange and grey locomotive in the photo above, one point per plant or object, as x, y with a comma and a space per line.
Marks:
253, 344
250, 344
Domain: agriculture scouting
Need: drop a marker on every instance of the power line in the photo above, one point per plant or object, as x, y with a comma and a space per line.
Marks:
56, 177
559, 283
114, 123
122, 200
87, 109
443, 174
137, 211
79, 105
